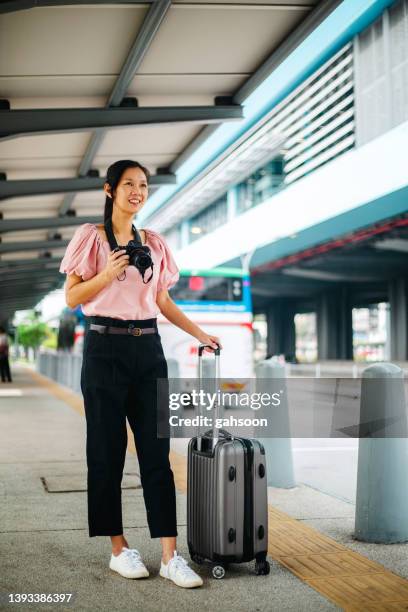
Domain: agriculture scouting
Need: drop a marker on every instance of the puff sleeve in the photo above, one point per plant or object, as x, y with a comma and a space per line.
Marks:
169, 272
81, 253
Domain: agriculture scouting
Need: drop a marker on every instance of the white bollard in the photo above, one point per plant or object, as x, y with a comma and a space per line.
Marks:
279, 458
382, 491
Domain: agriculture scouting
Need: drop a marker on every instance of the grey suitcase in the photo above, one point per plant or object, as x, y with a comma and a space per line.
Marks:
227, 506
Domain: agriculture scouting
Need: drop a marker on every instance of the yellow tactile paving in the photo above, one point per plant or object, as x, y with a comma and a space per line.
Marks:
322, 565
345, 577
290, 538
381, 607
355, 592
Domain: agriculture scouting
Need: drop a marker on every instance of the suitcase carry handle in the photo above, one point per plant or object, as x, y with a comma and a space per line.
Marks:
222, 433
202, 347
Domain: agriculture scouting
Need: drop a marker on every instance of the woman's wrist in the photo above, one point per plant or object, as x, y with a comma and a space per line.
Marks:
105, 277
201, 336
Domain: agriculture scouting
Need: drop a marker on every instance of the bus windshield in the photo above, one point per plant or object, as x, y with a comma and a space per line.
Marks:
219, 300
207, 289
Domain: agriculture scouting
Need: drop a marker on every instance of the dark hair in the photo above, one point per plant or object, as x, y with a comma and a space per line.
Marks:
113, 177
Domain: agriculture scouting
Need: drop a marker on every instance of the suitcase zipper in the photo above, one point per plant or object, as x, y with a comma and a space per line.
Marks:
248, 547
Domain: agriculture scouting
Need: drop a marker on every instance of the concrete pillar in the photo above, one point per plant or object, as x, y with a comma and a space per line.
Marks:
281, 333
334, 325
398, 297
382, 492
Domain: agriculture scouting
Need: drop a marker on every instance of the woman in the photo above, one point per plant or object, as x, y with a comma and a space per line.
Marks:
122, 359
4, 357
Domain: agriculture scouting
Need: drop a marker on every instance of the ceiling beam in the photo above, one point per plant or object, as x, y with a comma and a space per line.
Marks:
54, 120
16, 264
29, 278
35, 245
376, 269
356, 257
33, 187
34, 293
32, 290
44, 287
7, 275
141, 44
32, 279
18, 225
12, 6
328, 275
44, 283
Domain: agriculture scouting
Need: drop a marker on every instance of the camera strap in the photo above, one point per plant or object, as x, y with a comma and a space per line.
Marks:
111, 236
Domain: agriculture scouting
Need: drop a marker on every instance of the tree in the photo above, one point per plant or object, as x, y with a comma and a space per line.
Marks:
32, 332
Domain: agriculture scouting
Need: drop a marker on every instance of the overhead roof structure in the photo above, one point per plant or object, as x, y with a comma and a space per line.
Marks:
85, 84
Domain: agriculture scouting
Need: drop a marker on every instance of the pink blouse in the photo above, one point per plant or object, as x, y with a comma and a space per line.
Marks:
87, 255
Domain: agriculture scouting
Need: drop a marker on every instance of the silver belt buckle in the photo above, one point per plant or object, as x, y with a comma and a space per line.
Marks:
135, 331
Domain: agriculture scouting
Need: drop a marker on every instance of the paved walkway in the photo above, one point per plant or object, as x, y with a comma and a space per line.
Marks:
46, 547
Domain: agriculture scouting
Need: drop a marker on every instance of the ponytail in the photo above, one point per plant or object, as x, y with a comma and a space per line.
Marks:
107, 214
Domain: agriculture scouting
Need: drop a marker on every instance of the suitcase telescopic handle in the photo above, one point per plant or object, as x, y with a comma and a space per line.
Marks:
216, 352
202, 347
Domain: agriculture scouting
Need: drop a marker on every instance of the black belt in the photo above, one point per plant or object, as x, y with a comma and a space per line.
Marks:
133, 331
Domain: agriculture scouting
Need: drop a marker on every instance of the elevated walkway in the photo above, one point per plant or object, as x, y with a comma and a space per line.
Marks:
315, 564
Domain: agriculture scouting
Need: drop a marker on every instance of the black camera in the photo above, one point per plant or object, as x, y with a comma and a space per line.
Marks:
139, 256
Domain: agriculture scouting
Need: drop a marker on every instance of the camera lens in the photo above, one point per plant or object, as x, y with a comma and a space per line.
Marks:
144, 261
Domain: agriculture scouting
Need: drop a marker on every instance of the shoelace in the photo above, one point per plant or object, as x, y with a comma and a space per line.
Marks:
133, 557
179, 563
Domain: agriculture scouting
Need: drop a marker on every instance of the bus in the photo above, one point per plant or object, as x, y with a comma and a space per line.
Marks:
219, 301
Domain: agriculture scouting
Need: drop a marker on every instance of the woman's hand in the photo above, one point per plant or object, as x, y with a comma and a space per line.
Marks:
211, 340
117, 262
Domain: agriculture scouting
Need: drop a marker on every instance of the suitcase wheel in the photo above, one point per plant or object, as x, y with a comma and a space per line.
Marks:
197, 559
262, 568
218, 571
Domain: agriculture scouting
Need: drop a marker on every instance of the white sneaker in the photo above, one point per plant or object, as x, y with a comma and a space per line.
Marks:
178, 570
129, 564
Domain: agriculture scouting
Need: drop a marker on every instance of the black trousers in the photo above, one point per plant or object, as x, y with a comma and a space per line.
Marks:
5, 369
118, 381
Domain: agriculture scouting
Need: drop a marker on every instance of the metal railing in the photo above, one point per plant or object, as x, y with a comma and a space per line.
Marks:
63, 367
